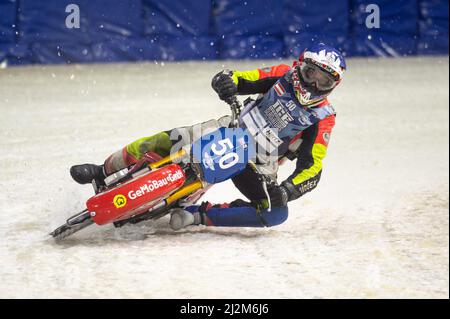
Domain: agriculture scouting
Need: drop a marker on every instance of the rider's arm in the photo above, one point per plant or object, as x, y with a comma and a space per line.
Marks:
309, 161
229, 83
259, 80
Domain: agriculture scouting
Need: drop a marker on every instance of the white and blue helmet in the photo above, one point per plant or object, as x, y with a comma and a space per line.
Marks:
317, 72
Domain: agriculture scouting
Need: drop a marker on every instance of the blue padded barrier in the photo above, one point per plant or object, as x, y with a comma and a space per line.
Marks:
157, 48
433, 27
59, 53
144, 49
8, 12
45, 21
312, 21
136, 30
260, 17
397, 34
177, 17
252, 47
15, 54
249, 29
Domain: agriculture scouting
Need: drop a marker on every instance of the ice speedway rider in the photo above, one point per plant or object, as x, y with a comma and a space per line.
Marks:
293, 101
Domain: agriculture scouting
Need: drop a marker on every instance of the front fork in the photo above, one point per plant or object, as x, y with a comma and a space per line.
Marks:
72, 225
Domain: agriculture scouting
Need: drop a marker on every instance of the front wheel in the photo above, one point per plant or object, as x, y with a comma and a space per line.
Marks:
73, 225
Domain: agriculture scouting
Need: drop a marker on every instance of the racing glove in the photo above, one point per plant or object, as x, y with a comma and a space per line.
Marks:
224, 85
291, 190
279, 195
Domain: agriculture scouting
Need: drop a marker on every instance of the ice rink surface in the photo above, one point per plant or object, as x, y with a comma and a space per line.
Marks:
376, 226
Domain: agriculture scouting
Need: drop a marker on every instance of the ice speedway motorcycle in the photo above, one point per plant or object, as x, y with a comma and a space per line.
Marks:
151, 187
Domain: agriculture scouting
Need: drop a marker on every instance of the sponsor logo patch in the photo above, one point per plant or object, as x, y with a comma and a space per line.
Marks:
119, 201
307, 186
326, 137
303, 119
278, 116
155, 184
272, 137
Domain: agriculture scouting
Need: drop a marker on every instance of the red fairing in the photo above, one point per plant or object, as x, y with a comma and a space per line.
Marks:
135, 196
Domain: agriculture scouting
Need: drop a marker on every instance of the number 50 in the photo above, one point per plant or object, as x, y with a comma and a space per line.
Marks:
228, 159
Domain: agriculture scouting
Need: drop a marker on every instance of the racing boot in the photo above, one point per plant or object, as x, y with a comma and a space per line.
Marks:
85, 173
180, 218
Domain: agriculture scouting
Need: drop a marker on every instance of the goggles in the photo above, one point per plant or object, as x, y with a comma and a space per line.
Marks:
313, 74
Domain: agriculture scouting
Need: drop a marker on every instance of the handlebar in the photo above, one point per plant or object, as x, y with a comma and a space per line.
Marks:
235, 106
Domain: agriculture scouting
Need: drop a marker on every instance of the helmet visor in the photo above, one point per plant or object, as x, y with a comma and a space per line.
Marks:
313, 74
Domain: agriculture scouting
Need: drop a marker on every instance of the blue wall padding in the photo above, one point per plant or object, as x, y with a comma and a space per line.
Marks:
140, 30
177, 17
144, 49
433, 27
52, 53
15, 54
397, 34
252, 47
8, 12
159, 48
5, 51
44, 21
311, 21
249, 29
181, 48
237, 17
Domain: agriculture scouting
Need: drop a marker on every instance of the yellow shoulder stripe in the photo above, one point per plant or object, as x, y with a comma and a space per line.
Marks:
246, 75
319, 152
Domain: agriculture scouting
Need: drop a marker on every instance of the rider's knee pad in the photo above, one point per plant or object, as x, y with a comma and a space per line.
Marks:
276, 216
